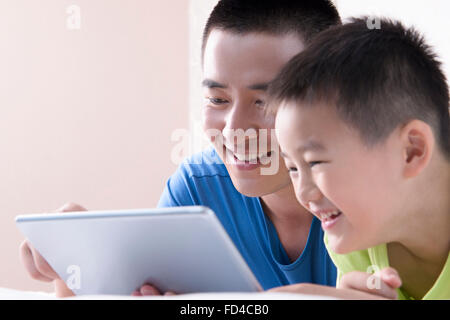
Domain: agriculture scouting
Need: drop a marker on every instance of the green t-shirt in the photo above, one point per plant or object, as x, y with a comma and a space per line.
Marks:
376, 258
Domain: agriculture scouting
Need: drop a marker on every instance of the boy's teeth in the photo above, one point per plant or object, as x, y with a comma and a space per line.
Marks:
327, 215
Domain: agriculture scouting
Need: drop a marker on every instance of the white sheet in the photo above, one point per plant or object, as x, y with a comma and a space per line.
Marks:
11, 294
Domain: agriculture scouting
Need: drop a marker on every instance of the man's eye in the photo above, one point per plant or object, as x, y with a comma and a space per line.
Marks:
259, 103
292, 169
217, 101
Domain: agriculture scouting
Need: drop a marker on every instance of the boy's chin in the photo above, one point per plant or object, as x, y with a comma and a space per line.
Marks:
341, 244
336, 246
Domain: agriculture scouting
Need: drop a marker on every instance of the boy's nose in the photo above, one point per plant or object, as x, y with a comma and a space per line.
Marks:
307, 193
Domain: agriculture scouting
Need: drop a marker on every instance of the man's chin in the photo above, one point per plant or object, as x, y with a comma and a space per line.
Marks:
252, 183
251, 192
258, 187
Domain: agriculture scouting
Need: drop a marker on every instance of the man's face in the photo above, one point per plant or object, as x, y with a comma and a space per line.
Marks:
353, 189
236, 72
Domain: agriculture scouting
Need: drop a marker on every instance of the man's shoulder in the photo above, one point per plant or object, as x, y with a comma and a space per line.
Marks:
206, 163
195, 178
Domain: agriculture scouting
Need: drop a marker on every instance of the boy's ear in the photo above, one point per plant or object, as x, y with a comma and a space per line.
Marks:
418, 144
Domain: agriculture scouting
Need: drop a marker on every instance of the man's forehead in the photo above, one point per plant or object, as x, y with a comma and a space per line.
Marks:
225, 49
246, 61
221, 35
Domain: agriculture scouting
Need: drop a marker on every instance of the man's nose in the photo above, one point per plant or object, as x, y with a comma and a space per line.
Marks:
240, 116
240, 124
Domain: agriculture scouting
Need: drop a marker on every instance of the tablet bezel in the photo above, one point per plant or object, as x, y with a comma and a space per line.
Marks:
202, 212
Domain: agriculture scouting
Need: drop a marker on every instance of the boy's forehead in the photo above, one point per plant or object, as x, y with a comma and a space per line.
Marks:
304, 112
308, 121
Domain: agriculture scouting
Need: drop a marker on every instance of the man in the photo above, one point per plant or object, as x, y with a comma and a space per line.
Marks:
245, 45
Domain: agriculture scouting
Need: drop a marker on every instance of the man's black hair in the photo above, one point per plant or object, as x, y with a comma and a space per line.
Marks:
378, 79
305, 18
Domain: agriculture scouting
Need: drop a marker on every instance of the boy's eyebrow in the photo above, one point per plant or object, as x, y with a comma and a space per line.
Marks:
311, 145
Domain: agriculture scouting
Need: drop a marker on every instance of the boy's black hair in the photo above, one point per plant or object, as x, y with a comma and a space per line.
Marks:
377, 79
303, 17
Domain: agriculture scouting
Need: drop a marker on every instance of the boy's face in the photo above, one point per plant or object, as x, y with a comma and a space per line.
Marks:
236, 71
353, 189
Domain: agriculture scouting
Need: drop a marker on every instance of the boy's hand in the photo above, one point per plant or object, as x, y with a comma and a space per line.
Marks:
38, 268
331, 292
388, 281
149, 290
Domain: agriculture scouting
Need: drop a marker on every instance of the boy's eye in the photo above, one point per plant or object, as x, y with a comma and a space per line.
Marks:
314, 163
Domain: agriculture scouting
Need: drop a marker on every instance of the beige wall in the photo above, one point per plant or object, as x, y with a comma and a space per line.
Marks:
199, 11
86, 115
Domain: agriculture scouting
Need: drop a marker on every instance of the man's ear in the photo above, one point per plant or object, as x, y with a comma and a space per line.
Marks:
418, 144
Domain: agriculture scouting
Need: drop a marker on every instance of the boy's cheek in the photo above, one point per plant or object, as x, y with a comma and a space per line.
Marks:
334, 188
295, 184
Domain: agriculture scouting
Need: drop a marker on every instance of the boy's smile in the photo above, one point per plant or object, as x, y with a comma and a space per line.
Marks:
337, 177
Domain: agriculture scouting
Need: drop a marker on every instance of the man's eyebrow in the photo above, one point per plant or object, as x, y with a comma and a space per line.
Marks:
259, 86
213, 84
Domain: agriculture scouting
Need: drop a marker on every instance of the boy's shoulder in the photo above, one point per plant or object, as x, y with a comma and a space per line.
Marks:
376, 258
362, 260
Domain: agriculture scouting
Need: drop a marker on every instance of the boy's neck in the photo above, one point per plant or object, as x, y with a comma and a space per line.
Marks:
422, 243
426, 231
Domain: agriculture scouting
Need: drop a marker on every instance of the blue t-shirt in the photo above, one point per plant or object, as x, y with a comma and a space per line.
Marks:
204, 180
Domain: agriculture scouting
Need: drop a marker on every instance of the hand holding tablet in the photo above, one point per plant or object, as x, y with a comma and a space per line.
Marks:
180, 249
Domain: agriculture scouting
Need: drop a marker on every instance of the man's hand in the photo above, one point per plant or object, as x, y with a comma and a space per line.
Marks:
38, 268
387, 281
149, 290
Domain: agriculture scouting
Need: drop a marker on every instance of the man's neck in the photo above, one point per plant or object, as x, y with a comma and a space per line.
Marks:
282, 206
291, 221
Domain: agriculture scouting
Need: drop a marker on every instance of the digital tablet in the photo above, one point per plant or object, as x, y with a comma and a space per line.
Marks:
180, 249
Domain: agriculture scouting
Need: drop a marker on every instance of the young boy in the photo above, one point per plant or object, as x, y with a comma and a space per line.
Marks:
363, 124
